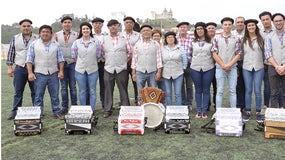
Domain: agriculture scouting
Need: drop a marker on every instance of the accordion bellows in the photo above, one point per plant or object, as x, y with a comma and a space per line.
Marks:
28, 121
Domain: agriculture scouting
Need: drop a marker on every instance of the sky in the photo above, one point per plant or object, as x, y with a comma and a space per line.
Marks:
46, 12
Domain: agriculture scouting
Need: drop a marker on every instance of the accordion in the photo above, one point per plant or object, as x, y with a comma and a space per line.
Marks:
80, 120
177, 119
228, 122
152, 94
28, 121
131, 120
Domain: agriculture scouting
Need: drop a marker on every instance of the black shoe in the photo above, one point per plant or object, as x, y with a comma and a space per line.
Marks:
11, 116
63, 112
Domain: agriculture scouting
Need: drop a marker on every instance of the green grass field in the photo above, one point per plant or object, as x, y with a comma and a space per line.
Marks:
105, 144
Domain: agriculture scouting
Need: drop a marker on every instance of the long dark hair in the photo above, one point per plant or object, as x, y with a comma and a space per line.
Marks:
85, 24
258, 36
207, 37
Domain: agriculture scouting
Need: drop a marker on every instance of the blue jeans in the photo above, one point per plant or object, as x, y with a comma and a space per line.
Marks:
52, 83
177, 89
221, 77
253, 79
202, 81
142, 78
91, 80
20, 81
69, 80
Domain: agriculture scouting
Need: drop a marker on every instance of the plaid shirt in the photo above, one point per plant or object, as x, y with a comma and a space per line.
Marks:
185, 44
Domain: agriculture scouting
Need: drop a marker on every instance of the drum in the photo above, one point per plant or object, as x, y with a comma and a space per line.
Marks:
154, 112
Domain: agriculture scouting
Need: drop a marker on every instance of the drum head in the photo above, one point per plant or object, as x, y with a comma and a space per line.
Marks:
154, 113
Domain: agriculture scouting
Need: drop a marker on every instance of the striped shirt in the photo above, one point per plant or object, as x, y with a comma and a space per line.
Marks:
268, 44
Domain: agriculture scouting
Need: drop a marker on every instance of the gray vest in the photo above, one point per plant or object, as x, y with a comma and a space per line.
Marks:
115, 57
66, 46
278, 50
46, 62
86, 58
226, 51
252, 59
146, 59
202, 57
21, 48
172, 65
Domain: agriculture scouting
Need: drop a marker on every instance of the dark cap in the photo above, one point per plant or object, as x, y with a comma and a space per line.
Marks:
250, 21
112, 22
202, 24
182, 23
45, 27
25, 20
97, 19
227, 19
169, 33
211, 24
130, 18
146, 25
65, 18
277, 14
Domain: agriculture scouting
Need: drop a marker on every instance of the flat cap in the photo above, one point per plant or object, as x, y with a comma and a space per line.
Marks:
211, 24
97, 19
182, 23
250, 21
169, 34
227, 19
65, 18
202, 24
129, 18
112, 22
146, 25
25, 20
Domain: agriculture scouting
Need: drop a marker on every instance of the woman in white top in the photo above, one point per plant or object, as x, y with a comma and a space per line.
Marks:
174, 61
253, 67
202, 68
85, 51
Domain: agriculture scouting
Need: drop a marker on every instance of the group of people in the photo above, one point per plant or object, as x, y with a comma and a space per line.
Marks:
173, 60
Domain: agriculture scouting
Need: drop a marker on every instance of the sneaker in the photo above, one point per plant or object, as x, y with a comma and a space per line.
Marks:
198, 115
263, 110
246, 116
11, 116
204, 116
258, 117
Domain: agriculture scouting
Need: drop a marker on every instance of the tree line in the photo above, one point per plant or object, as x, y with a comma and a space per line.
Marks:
7, 31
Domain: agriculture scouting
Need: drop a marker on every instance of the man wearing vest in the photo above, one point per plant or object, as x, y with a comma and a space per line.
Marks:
226, 52
65, 38
116, 51
17, 55
274, 48
47, 58
133, 37
146, 61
